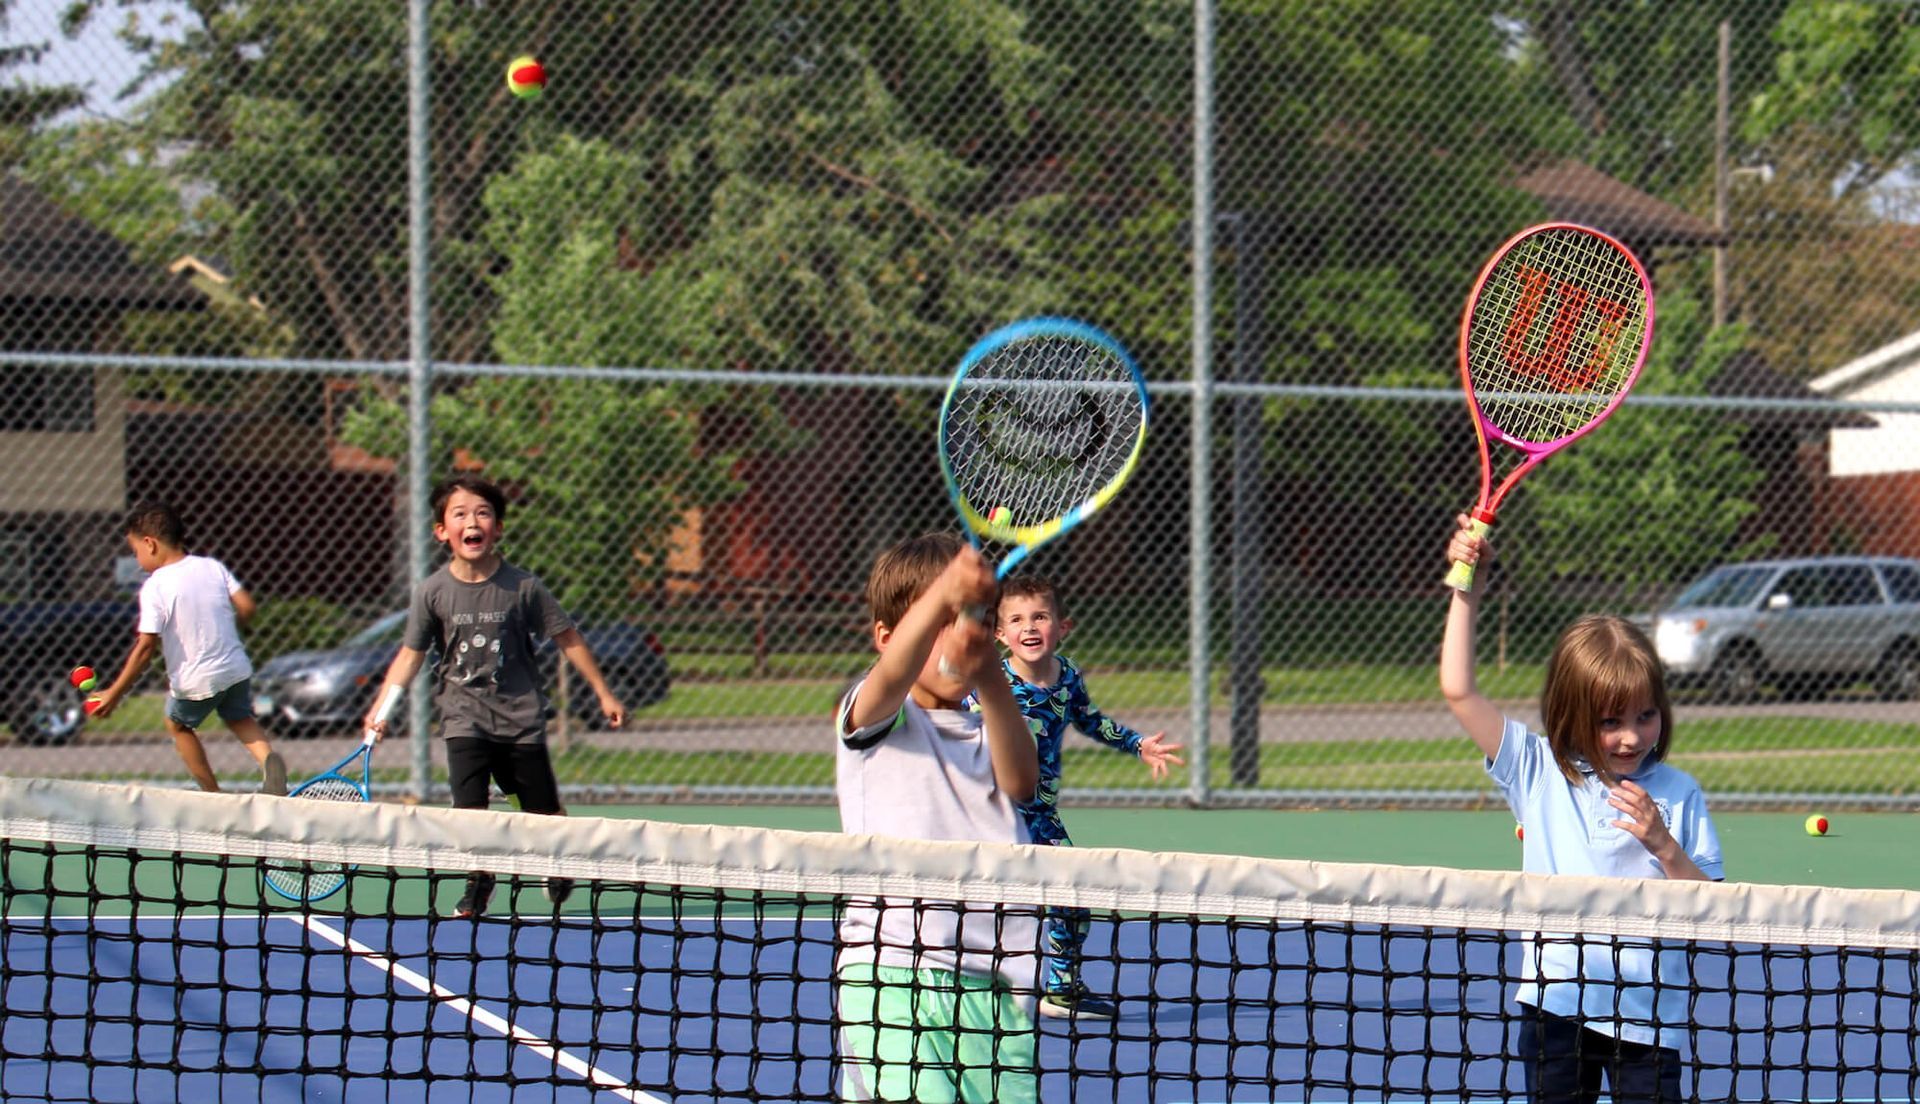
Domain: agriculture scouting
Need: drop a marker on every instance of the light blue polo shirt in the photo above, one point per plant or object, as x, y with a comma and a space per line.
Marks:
1569, 830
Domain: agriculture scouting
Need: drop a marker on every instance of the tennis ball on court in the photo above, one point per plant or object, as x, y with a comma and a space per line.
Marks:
82, 678
998, 515
1816, 825
526, 77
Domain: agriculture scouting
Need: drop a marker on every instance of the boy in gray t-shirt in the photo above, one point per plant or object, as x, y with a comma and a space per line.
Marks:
483, 616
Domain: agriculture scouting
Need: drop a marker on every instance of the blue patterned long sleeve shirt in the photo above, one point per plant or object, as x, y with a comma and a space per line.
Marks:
1049, 710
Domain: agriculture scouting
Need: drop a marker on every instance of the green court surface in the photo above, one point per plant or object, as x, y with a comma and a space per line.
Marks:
1861, 850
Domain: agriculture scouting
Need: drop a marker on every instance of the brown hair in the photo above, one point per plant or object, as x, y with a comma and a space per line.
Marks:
1029, 586
151, 517
1600, 665
902, 573
486, 489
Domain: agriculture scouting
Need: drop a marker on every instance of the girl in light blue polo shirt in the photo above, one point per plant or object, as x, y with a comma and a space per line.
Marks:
1597, 798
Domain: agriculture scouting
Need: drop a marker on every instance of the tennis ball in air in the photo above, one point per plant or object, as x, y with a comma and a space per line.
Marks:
998, 515
1816, 825
82, 678
526, 77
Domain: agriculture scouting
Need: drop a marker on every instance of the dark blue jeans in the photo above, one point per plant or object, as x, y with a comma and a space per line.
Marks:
1565, 1063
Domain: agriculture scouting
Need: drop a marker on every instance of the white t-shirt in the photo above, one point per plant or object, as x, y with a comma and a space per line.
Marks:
928, 774
188, 604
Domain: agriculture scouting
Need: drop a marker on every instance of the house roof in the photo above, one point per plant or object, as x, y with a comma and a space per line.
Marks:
46, 253
1895, 356
1577, 192
1747, 375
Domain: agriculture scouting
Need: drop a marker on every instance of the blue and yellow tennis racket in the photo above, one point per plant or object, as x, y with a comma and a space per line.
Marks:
309, 882
1043, 423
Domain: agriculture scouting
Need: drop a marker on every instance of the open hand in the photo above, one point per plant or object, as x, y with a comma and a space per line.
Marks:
1158, 755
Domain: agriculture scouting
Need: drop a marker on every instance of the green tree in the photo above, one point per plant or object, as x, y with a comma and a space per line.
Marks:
25, 105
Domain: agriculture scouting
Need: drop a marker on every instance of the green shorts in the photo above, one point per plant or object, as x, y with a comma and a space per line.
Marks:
934, 1036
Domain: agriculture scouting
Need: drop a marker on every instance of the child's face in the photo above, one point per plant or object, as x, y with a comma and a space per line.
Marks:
146, 550
1030, 628
937, 685
1628, 734
469, 526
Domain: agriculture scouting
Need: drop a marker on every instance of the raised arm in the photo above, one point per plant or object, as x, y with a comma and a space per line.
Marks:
1010, 743
1476, 713
904, 648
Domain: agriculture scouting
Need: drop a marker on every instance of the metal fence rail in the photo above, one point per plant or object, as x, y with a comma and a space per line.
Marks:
694, 307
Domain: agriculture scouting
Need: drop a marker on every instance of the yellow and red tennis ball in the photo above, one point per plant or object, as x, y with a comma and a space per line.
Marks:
998, 515
526, 77
82, 678
1816, 825
92, 705
1520, 831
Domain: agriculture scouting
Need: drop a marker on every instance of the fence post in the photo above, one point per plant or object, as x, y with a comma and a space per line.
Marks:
419, 361
1200, 669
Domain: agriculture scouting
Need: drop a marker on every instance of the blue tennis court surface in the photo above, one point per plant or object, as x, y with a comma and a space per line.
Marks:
283, 1007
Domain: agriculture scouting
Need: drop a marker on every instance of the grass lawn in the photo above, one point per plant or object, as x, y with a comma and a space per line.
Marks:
1783, 754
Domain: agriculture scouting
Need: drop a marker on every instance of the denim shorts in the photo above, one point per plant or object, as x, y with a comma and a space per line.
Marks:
235, 703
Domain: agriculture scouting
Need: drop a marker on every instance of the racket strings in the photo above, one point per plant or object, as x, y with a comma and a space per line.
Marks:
1555, 335
314, 880
1041, 425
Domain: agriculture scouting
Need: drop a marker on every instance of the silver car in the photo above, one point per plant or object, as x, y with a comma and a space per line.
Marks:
1805, 625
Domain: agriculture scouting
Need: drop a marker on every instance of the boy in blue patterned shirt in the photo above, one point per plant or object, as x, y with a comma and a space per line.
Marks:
1052, 695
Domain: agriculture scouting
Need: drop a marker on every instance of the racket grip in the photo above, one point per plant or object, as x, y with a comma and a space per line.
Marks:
1460, 575
385, 713
976, 614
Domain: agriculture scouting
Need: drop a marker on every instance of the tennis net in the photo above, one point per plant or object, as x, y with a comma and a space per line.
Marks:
142, 959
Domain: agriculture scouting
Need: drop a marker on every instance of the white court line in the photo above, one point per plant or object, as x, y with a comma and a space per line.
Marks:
480, 1015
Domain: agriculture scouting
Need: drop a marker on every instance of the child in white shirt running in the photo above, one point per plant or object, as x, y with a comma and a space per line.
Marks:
191, 609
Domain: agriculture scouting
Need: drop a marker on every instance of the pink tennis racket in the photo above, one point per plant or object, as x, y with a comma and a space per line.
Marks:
1555, 333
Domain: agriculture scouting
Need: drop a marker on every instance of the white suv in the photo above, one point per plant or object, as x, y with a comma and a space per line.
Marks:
1806, 625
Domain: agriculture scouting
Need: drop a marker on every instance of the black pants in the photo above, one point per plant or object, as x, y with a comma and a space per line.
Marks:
522, 769
1565, 1062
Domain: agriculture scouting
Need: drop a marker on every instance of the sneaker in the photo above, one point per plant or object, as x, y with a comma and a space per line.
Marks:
273, 775
558, 890
1076, 1004
474, 901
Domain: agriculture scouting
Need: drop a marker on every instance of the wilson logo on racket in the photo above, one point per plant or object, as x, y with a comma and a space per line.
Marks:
1568, 311
1555, 332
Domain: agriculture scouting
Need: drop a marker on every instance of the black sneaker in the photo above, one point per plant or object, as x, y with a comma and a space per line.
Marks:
479, 891
1076, 1004
558, 890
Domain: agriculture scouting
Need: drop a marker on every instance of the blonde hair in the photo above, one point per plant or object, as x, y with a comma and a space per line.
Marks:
1601, 665
902, 573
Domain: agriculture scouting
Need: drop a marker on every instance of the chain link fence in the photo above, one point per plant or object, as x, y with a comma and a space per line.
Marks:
694, 306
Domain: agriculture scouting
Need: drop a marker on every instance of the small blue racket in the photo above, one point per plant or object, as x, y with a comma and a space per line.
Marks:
1043, 423
309, 882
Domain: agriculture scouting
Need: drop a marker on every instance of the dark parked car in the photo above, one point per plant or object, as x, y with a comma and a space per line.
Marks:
307, 693
39, 643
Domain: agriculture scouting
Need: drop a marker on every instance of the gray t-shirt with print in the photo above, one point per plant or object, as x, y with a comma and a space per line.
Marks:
488, 683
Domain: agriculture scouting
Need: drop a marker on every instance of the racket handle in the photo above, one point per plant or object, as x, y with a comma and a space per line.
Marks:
976, 614
1460, 575
383, 714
